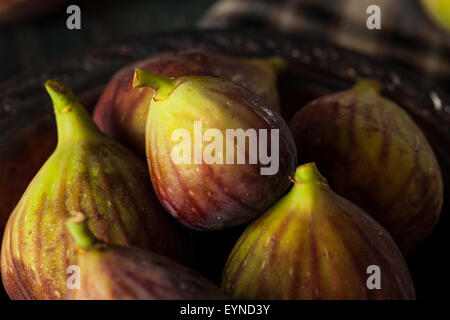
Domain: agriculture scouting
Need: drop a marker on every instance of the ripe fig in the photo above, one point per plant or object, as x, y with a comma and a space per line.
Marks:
438, 11
20, 160
89, 173
121, 112
373, 154
224, 183
114, 272
314, 244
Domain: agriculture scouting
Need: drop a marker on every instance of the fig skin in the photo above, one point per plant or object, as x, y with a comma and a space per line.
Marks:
373, 154
19, 165
314, 244
211, 196
25, 154
121, 112
113, 272
89, 173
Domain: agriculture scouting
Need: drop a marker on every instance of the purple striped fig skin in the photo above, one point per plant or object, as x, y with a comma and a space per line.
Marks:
121, 112
373, 154
214, 196
111, 272
91, 174
314, 244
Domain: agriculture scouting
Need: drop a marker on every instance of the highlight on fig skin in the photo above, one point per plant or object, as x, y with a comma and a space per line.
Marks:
314, 244
215, 195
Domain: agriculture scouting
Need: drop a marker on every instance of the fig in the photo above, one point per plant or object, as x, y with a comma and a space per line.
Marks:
115, 272
438, 11
121, 111
20, 160
314, 244
373, 154
89, 173
207, 143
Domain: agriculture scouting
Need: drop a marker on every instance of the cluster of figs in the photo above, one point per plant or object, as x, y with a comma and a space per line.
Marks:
96, 222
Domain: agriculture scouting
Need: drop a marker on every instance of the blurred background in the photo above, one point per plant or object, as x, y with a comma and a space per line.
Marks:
414, 33
40, 37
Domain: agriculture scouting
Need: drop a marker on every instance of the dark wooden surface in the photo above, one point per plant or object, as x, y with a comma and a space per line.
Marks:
25, 45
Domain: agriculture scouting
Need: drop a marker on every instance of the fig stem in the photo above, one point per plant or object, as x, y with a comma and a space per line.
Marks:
308, 173
61, 95
162, 85
308, 183
77, 225
72, 119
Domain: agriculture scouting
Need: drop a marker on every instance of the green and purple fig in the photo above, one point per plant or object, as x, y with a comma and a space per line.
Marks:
114, 272
208, 143
88, 173
20, 160
314, 244
121, 112
373, 154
